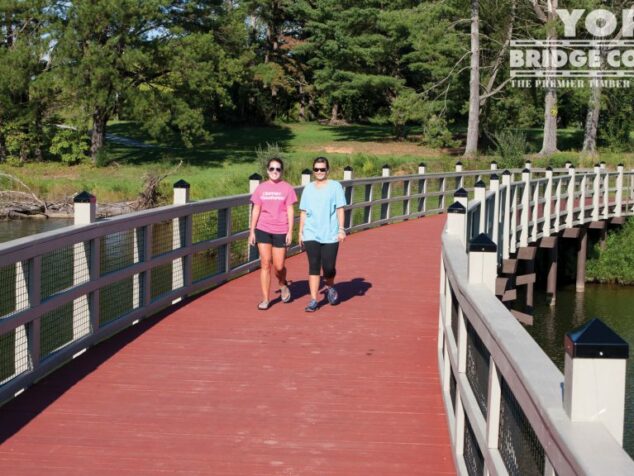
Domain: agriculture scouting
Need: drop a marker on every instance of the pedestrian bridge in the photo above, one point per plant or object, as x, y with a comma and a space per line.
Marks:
133, 344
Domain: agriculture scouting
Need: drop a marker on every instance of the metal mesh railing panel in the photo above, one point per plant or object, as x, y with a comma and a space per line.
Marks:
452, 389
477, 367
163, 237
204, 226
14, 354
61, 326
397, 208
117, 299
63, 267
205, 264
454, 315
473, 459
521, 451
240, 217
14, 282
118, 250
239, 253
160, 280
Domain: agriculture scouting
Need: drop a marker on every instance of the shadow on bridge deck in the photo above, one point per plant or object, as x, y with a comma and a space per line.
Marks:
217, 387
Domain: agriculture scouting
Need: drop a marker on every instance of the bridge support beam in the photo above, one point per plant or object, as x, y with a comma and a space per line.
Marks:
582, 252
551, 243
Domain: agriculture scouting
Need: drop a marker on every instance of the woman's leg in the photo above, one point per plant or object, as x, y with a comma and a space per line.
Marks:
329, 261
265, 268
313, 251
279, 256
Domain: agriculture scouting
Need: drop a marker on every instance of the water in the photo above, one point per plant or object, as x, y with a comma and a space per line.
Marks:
13, 229
614, 305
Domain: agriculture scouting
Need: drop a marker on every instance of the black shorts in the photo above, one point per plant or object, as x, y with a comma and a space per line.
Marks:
322, 256
275, 239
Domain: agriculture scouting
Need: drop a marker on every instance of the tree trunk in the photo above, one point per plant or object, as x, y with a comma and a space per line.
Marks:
592, 122
98, 137
302, 103
3, 145
473, 129
549, 144
334, 113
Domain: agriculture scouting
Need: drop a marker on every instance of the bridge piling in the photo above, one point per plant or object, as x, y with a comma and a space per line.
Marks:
582, 250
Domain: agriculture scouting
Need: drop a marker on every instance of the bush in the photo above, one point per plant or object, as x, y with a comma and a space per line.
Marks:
70, 146
436, 134
614, 263
510, 147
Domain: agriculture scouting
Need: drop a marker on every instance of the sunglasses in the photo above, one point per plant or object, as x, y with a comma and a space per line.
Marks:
275, 169
316, 169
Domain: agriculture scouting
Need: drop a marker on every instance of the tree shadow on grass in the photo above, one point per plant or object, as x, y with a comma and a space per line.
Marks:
236, 144
362, 133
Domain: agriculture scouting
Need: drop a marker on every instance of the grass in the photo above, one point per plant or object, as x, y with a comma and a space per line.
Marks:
221, 165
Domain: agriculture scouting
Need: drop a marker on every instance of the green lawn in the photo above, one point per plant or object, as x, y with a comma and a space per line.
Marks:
222, 165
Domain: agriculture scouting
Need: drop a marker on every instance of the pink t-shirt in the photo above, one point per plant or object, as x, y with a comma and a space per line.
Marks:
274, 198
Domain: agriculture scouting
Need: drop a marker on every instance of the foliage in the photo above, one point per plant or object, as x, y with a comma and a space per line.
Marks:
510, 147
615, 262
69, 145
436, 133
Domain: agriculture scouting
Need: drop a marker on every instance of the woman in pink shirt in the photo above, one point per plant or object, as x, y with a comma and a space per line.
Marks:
272, 228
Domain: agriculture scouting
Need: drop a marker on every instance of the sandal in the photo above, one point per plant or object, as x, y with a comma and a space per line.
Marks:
263, 306
285, 293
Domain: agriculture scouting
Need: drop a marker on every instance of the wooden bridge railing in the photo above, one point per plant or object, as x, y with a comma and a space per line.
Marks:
504, 396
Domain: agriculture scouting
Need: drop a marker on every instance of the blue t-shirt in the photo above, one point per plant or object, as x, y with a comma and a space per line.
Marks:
320, 205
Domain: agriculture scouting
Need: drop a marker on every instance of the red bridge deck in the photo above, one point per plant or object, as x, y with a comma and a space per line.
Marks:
217, 387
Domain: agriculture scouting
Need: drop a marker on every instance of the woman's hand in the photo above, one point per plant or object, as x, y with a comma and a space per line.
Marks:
252, 238
289, 238
341, 236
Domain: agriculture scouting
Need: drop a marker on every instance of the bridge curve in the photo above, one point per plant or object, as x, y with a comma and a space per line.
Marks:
218, 387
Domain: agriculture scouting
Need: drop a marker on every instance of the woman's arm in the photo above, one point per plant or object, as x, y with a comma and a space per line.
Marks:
290, 212
302, 219
255, 214
341, 235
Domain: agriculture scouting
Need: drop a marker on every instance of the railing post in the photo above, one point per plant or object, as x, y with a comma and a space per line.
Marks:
570, 200
460, 179
457, 221
568, 164
422, 187
594, 385
482, 267
85, 211
596, 186
479, 195
606, 196
506, 182
22, 301
602, 165
35, 296
582, 199
305, 177
443, 188
535, 212
526, 202
347, 175
254, 181
493, 405
462, 197
386, 192
494, 186
179, 236
528, 165
618, 206
494, 165
548, 202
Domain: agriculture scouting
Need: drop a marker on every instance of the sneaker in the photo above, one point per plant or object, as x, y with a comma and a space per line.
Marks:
333, 296
263, 306
285, 294
312, 306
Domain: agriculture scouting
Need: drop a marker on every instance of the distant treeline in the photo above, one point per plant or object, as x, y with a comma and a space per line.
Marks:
179, 66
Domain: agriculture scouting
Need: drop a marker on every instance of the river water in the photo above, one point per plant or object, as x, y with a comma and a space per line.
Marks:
613, 304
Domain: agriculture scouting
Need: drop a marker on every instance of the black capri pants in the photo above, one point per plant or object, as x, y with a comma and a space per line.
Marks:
321, 256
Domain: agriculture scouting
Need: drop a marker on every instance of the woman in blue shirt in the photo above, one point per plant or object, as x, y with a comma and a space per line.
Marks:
321, 230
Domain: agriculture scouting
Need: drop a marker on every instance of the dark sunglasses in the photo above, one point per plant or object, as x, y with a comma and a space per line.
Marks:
275, 169
316, 169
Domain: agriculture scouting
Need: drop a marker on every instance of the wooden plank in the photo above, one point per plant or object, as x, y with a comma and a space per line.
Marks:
598, 225
524, 279
217, 387
617, 221
524, 318
509, 266
510, 295
548, 242
571, 232
526, 253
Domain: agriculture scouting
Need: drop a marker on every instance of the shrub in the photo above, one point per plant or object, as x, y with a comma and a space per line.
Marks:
510, 147
436, 134
615, 262
70, 146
